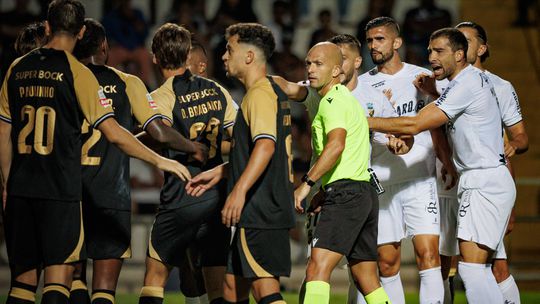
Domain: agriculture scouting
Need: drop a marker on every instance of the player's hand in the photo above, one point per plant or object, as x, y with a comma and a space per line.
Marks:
204, 181
174, 167
449, 172
299, 195
230, 215
509, 150
400, 145
426, 84
201, 152
315, 205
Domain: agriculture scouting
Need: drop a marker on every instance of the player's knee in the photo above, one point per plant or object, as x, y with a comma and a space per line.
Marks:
428, 258
388, 266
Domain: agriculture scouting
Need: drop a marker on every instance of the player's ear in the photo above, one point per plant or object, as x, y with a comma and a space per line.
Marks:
250, 56
202, 67
80, 35
482, 50
398, 41
47, 28
357, 62
459, 55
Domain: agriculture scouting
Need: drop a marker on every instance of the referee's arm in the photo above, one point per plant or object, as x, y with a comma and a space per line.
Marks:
326, 161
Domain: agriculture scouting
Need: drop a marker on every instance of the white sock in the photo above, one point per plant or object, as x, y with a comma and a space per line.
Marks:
190, 300
431, 286
510, 291
204, 299
490, 276
447, 292
479, 288
394, 289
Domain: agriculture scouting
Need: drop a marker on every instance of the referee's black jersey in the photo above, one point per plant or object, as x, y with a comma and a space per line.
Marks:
45, 97
264, 113
105, 167
201, 110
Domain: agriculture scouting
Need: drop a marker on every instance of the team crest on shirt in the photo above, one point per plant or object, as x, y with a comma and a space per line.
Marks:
103, 100
151, 101
371, 110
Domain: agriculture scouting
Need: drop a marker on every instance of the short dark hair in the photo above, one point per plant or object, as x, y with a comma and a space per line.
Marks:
255, 34
480, 33
65, 16
171, 45
196, 45
91, 41
31, 37
383, 21
347, 39
456, 39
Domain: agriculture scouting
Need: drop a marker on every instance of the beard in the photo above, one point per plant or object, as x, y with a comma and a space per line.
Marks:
383, 58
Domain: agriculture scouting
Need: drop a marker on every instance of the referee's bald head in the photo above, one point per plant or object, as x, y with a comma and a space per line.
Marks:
330, 50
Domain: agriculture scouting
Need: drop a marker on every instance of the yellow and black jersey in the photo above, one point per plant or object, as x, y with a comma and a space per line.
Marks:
264, 113
105, 167
201, 110
45, 97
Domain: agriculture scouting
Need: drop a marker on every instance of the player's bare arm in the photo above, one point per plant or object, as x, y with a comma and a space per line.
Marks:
167, 137
5, 156
293, 90
326, 161
428, 118
126, 142
444, 154
518, 140
258, 161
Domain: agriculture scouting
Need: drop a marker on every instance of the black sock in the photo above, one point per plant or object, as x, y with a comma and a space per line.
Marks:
55, 294
21, 293
103, 296
272, 298
151, 295
79, 292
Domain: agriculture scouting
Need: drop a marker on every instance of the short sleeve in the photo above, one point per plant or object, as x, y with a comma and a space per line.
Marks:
259, 108
143, 106
455, 99
93, 102
333, 113
312, 102
509, 104
230, 109
164, 98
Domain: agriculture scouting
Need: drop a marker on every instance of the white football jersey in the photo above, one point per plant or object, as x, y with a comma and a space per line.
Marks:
508, 100
475, 128
407, 101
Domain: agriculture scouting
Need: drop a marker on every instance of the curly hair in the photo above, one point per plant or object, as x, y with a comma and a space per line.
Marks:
255, 34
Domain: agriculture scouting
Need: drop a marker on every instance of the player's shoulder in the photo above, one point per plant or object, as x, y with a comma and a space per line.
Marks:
166, 87
415, 70
369, 75
497, 80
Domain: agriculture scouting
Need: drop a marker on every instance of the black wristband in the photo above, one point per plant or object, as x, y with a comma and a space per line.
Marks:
307, 180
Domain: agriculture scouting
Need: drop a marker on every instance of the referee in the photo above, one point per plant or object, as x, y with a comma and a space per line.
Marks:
349, 216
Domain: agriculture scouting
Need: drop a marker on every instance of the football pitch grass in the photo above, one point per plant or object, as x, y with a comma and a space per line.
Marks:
292, 298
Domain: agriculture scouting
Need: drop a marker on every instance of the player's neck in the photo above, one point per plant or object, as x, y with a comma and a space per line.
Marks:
392, 66
62, 42
351, 85
478, 64
460, 67
253, 75
171, 73
326, 88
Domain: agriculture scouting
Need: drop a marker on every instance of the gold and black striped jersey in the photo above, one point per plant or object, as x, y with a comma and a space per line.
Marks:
105, 167
45, 97
201, 110
264, 113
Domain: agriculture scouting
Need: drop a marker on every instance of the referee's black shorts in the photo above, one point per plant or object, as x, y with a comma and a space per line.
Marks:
348, 221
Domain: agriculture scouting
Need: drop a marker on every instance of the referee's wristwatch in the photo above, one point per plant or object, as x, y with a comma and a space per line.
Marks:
307, 180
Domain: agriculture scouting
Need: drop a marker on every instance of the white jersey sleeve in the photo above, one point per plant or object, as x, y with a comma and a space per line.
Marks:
508, 100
